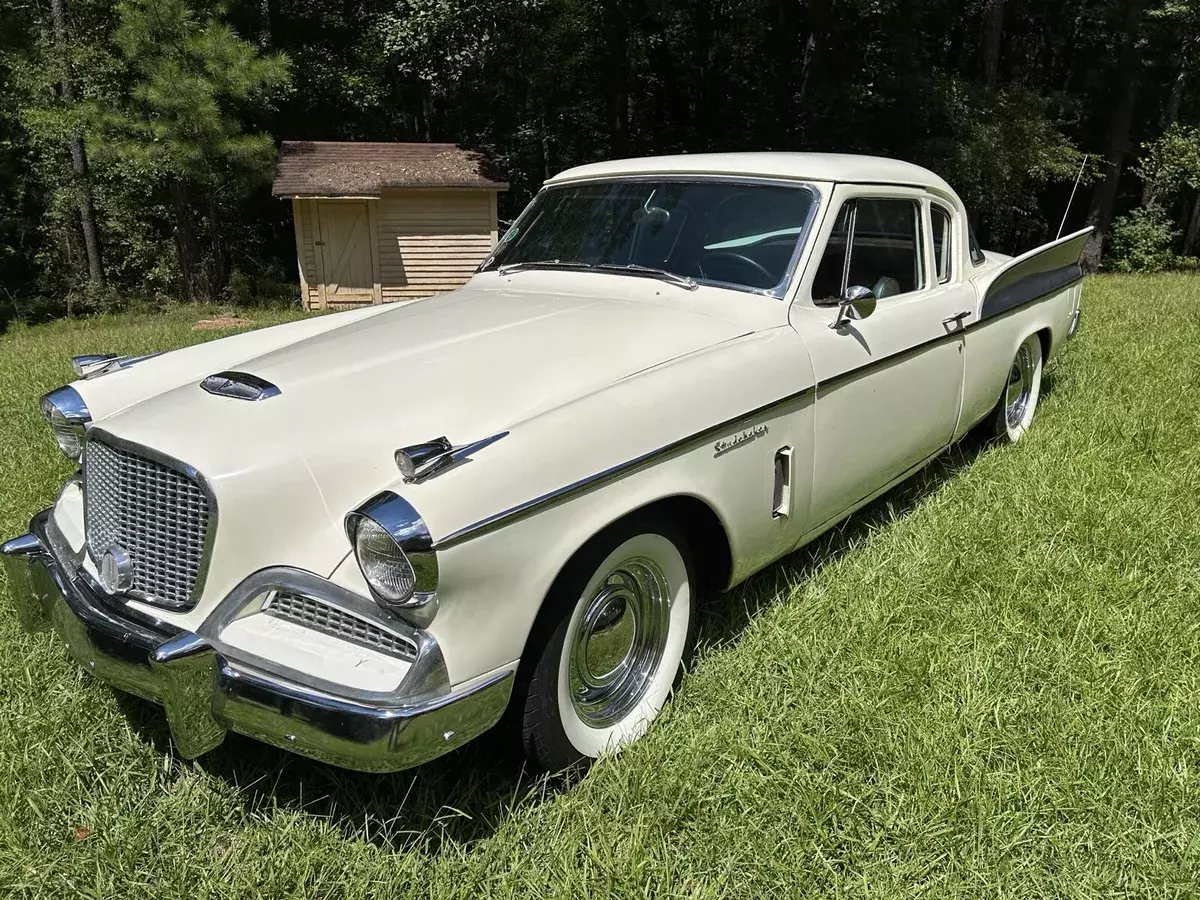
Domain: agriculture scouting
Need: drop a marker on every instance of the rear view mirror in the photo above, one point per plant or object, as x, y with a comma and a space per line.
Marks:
856, 304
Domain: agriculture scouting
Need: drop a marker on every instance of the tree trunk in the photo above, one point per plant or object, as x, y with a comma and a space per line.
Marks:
185, 241
820, 14
1170, 117
779, 127
1191, 240
1116, 144
266, 24
217, 278
616, 30
989, 49
1175, 100
87, 212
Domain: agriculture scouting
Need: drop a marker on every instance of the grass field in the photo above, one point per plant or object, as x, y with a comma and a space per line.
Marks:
986, 684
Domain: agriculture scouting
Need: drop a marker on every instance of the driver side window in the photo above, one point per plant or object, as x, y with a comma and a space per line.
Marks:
875, 243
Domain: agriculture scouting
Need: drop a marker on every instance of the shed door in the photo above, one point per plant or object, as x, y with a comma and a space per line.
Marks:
346, 250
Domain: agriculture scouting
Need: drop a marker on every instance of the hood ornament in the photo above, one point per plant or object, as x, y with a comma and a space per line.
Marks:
93, 365
419, 462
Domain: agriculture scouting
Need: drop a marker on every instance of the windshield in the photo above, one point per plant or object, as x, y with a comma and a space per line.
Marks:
724, 232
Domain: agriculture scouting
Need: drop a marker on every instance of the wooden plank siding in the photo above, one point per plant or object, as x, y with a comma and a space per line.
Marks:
306, 252
431, 240
422, 241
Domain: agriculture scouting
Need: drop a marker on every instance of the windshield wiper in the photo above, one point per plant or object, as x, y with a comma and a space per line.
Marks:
542, 264
631, 269
650, 272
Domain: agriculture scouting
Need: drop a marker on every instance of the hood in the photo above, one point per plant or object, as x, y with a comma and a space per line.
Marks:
482, 360
464, 365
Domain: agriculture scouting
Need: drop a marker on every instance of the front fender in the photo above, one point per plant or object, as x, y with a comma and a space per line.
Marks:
506, 523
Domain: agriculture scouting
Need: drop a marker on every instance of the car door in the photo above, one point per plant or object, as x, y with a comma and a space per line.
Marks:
889, 386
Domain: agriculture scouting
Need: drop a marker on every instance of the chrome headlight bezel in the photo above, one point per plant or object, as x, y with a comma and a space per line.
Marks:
68, 417
403, 525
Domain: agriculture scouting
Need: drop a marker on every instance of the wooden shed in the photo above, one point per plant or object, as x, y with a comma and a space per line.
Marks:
380, 222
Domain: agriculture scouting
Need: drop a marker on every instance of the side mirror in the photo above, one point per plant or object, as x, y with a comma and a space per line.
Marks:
857, 303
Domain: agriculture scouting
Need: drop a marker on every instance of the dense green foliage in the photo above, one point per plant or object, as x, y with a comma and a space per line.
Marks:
154, 120
987, 684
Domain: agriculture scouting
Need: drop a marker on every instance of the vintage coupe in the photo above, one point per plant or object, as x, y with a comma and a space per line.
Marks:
363, 537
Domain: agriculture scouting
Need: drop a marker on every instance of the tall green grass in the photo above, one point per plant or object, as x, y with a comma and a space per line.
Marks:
987, 683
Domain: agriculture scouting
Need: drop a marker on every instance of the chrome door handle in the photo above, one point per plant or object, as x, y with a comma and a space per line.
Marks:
957, 318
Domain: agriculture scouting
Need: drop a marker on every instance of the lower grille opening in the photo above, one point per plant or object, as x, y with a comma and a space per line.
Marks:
337, 622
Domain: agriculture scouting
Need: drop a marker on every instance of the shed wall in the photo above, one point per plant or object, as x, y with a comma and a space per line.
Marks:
425, 241
431, 240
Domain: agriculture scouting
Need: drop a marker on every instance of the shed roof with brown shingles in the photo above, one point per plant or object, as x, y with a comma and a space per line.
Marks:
362, 169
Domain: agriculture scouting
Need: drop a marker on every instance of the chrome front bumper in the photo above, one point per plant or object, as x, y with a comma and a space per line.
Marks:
206, 692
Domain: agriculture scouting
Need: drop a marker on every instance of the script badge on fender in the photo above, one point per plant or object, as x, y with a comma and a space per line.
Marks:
724, 445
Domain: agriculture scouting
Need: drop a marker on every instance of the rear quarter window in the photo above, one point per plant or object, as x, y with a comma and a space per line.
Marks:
977, 257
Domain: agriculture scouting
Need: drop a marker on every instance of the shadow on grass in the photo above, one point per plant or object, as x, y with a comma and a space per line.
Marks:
455, 800
463, 797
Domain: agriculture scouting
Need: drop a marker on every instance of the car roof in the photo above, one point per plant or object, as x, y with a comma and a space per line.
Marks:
834, 167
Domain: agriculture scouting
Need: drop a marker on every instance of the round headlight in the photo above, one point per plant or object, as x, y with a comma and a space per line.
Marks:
67, 415
384, 565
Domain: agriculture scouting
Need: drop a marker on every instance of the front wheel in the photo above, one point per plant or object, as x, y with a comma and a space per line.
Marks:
622, 622
1014, 413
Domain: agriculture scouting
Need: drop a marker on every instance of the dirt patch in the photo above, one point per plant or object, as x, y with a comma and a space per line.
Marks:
221, 322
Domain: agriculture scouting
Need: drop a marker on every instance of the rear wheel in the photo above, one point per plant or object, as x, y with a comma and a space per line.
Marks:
1014, 413
619, 623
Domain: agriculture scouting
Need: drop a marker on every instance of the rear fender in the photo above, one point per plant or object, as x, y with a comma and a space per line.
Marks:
1045, 270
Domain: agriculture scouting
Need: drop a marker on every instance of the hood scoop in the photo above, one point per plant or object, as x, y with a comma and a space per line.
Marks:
239, 386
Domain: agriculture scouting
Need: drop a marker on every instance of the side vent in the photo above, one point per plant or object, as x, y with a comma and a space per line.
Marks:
781, 496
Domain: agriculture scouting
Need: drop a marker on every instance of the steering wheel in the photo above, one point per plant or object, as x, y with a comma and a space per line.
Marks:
768, 279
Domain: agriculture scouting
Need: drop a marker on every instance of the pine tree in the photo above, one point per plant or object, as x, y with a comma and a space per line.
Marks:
194, 80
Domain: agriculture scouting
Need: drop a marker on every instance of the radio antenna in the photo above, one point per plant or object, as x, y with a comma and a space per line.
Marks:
1063, 225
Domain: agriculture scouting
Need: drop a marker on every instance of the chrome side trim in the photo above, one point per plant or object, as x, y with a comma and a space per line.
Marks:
592, 482
182, 468
240, 386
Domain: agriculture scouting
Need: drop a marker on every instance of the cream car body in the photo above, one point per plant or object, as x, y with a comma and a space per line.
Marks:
742, 414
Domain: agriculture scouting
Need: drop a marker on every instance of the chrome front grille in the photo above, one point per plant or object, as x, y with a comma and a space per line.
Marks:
157, 514
332, 620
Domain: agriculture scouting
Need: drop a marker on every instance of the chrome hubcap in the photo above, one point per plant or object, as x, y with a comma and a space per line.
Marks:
619, 642
1020, 386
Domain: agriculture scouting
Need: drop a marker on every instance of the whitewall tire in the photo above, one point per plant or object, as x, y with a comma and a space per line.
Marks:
622, 622
1022, 388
